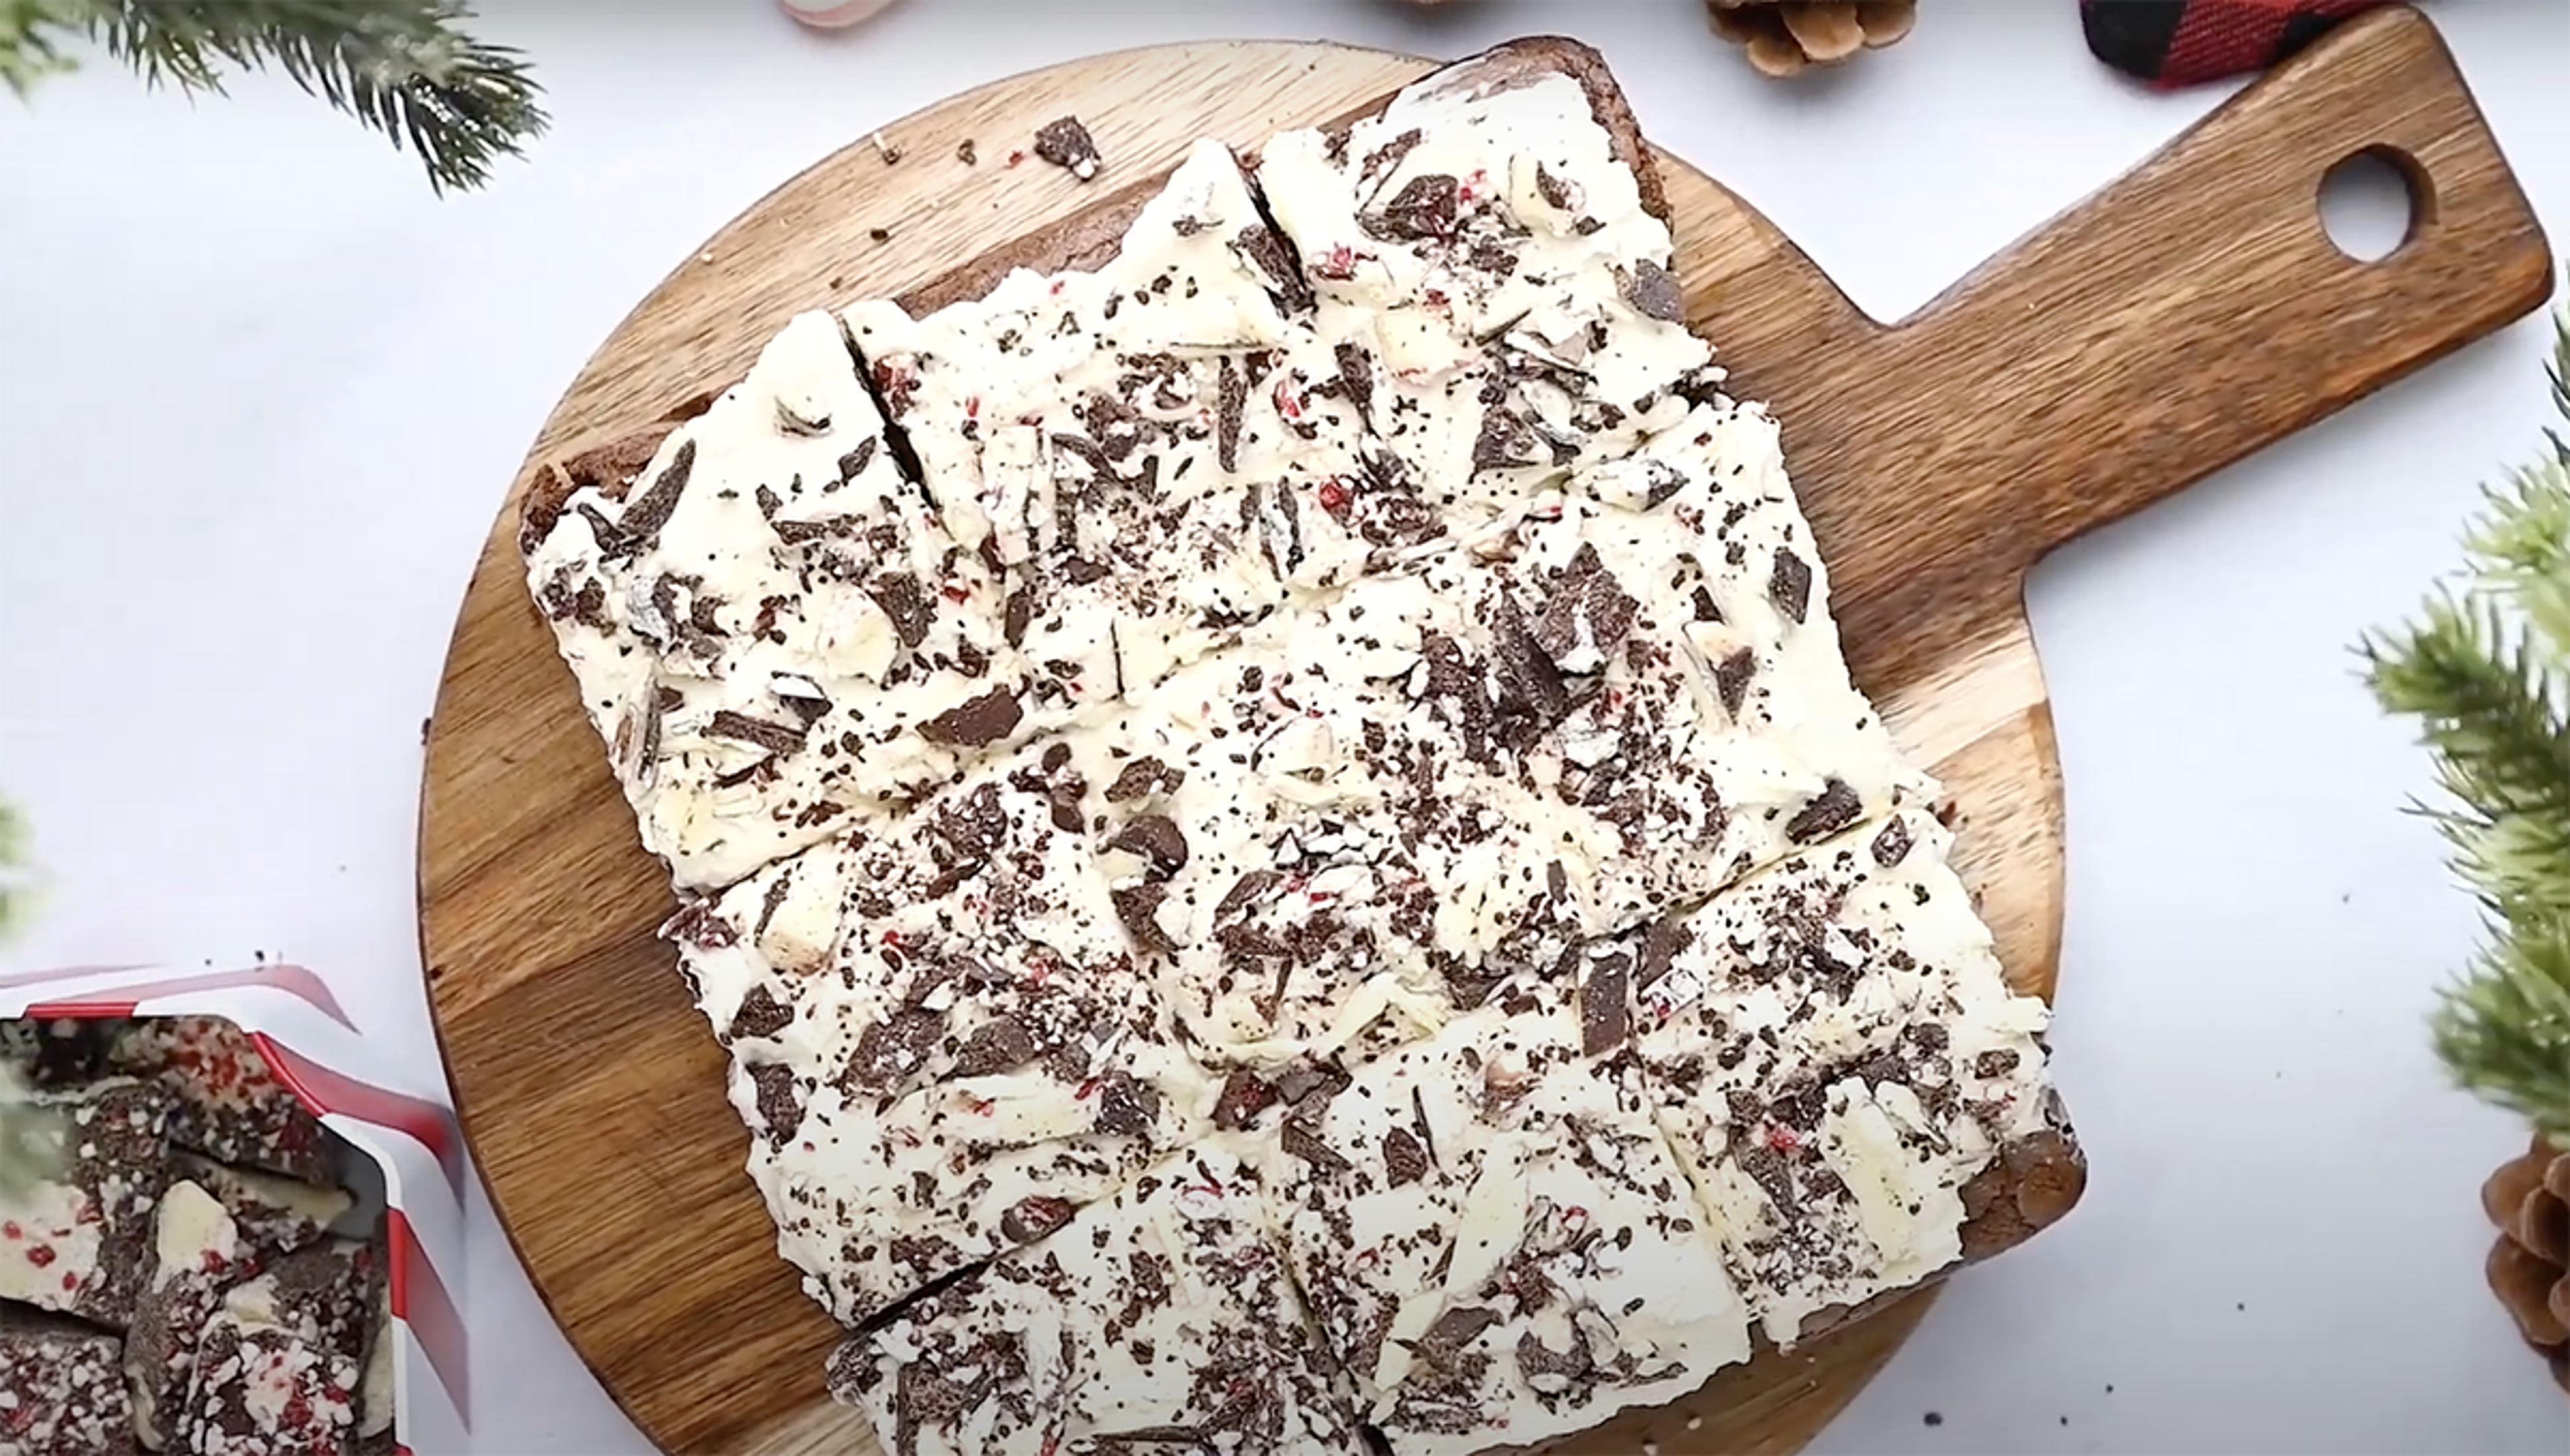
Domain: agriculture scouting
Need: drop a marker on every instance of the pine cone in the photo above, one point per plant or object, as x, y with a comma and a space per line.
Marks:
1784, 37
2528, 1200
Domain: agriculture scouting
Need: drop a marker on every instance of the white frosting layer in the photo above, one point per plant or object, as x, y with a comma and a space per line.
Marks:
1165, 1309
1837, 1054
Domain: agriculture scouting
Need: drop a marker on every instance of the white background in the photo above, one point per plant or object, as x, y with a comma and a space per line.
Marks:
261, 394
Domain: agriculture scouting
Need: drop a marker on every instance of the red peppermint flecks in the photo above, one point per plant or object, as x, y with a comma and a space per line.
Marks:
1782, 1139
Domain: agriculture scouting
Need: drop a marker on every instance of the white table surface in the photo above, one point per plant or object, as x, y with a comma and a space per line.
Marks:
261, 394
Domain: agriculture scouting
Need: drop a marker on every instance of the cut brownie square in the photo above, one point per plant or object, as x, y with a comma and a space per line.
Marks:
938, 1036
1160, 1319
275, 1215
1158, 453
772, 628
62, 1389
1495, 1238
79, 1241
198, 1254
1838, 1062
227, 1103
1487, 258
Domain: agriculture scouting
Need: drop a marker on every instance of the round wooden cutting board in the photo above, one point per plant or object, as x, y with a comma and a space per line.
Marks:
2182, 318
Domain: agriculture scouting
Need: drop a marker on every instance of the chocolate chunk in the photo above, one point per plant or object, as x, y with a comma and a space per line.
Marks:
1994, 1063
1547, 1368
1425, 207
1606, 1006
1017, 614
1835, 809
1789, 585
760, 1015
854, 463
1453, 1330
1731, 678
1355, 376
996, 1045
1662, 939
1138, 907
1304, 1080
1653, 292
1892, 845
742, 728
1300, 1141
904, 601
1267, 253
780, 1104
1249, 889
1033, 1216
1556, 191
648, 512
1066, 144
1141, 779
977, 722
1126, 1106
1156, 838
1231, 394
1404, 1161
1529, 681
1587, 616
892, 1050
1243, 1097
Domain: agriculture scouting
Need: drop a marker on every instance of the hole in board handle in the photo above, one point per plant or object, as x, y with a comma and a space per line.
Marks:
2374, 202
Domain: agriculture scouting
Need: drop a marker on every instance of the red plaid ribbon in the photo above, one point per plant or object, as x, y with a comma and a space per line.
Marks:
2171, 43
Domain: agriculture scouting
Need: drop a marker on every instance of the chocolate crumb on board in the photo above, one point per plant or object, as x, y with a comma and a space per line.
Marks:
967, 153
885, 149
879, 234
1066, 144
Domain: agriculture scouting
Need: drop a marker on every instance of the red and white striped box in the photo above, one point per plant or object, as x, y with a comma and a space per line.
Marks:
412, 1140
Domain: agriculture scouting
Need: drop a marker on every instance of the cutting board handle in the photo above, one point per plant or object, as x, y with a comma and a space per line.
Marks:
2125, 389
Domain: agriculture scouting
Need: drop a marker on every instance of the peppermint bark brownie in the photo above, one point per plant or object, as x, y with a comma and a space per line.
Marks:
773, 629
1491, 253
1160, 1319
938, 1036
1495, 1238
1155, 453
80, 1243
62, 1387
198, 1256
225, 1101
1858, 1099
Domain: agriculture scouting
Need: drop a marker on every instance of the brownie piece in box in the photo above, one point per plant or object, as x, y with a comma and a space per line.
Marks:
263, 1388
275, 1215
79, 1241
229, 1106
62, 1389
198, 1254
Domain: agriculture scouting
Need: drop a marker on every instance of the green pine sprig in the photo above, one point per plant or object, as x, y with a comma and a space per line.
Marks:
2485, 671
402, 68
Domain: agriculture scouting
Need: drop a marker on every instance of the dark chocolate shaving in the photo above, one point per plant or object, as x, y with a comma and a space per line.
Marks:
1789, 585
742, 728
1836, 807
977, 722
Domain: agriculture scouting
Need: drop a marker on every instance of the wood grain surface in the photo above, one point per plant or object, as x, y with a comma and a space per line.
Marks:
2183, 317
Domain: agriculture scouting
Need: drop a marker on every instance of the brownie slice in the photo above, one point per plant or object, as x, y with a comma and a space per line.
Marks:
227, 1104
80, 1242
277, 1216
62, 1389
267, 1389
200, 1255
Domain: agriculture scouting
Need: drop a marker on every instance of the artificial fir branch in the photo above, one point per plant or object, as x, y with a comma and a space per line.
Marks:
2486, 672
402, 68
